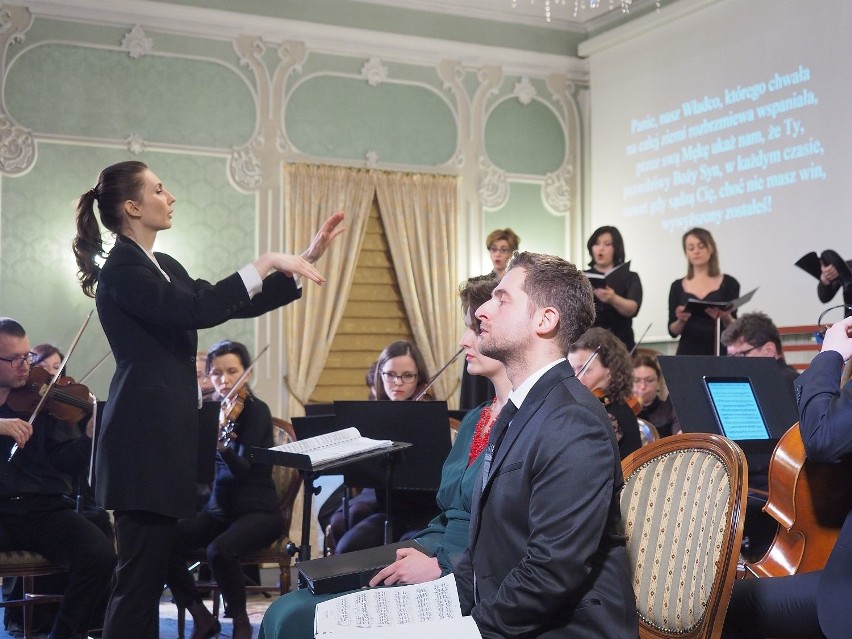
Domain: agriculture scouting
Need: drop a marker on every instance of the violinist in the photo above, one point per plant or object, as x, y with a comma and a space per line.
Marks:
150, 309
241, 515
647, 384
36, 511
608, 373
48, 356
400, 375
815, 603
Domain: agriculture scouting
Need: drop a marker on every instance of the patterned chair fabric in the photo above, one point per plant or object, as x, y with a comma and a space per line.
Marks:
683, 520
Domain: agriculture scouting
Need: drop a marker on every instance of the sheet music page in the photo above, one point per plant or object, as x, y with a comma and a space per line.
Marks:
336, 445
424, 609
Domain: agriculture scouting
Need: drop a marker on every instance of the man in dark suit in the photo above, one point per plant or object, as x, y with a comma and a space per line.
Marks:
544, 557
814, 603
36, 512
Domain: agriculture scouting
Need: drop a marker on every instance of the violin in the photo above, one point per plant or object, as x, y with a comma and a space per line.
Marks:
67, 400
232, 404
231, 408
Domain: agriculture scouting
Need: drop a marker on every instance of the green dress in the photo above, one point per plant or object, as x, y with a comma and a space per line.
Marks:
292, 616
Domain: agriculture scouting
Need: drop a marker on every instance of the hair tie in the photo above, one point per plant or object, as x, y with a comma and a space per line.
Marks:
94, 192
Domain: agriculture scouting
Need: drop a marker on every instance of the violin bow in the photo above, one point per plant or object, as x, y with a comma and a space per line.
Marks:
588, 363
95, 367
420, 395
55, 377
238, 384
639, 341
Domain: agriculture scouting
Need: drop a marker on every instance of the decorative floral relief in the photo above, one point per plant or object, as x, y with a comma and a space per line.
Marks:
136, 43
372, 159
374, 72
525, 91
17, 147
557, 192
135, 144
493, 186
5, 20
245, 168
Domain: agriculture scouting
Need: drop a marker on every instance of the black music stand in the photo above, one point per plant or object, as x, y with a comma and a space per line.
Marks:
309, 472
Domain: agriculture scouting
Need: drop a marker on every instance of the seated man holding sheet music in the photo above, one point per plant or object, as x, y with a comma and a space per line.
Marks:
446, 536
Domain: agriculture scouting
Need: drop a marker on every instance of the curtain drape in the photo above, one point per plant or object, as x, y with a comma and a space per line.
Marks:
313, 194
420, 216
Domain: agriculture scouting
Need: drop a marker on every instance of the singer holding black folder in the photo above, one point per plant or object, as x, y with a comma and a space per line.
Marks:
704, 281
618, 300
446, 536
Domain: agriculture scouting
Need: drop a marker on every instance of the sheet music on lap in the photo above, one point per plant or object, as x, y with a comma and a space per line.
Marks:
333, 446
422, 610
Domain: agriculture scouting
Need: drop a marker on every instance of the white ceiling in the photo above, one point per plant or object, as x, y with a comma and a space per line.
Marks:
569, 15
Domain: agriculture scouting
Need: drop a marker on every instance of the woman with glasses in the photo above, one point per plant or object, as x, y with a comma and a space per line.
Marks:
647, 382
400, 375
618, 300
501, 244
445, 537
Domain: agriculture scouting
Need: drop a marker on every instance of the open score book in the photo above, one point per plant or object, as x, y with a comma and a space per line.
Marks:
417, 611
337, 445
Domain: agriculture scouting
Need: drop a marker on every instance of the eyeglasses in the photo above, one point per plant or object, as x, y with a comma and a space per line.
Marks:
497, 249
647, 381
393, 378
743, 353
18, 360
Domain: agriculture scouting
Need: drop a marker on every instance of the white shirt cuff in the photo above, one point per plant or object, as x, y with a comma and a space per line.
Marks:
251, 279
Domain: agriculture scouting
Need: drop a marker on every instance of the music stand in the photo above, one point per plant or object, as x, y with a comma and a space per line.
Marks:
208, 436
684, 375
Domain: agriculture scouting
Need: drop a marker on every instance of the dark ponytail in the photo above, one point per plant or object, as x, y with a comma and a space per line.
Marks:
116, 184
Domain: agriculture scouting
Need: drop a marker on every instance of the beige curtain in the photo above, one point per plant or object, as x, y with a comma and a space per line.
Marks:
313, 194
420, 216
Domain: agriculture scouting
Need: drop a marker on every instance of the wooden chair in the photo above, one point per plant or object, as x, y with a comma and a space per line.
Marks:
287, 486
647, 431
682, 515
28, 565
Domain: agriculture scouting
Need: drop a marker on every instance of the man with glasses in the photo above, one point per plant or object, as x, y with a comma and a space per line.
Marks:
36, 512
755, 335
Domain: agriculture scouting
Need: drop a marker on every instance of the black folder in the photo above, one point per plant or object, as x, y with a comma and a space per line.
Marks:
349, 571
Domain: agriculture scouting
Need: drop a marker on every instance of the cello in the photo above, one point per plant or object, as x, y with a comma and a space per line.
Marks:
809, 500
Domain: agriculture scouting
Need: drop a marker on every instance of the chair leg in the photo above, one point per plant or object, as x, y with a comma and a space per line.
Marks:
181, 620
27, 587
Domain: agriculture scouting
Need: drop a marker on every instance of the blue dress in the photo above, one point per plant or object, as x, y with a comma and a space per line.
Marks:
292, 616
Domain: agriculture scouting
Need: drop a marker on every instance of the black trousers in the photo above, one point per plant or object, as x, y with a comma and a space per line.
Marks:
226, 543
775, 607
145, 544
50, 526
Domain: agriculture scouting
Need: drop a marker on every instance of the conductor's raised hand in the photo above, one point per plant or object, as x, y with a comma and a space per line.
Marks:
330, 229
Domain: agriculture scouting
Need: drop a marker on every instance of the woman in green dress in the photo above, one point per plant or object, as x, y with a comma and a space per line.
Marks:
445, 538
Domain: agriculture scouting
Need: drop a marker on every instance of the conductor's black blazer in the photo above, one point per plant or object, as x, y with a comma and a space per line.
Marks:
544, 557
146, 444
825, 421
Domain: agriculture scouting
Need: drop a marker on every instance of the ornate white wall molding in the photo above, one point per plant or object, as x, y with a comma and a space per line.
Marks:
136, 43
17, 147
